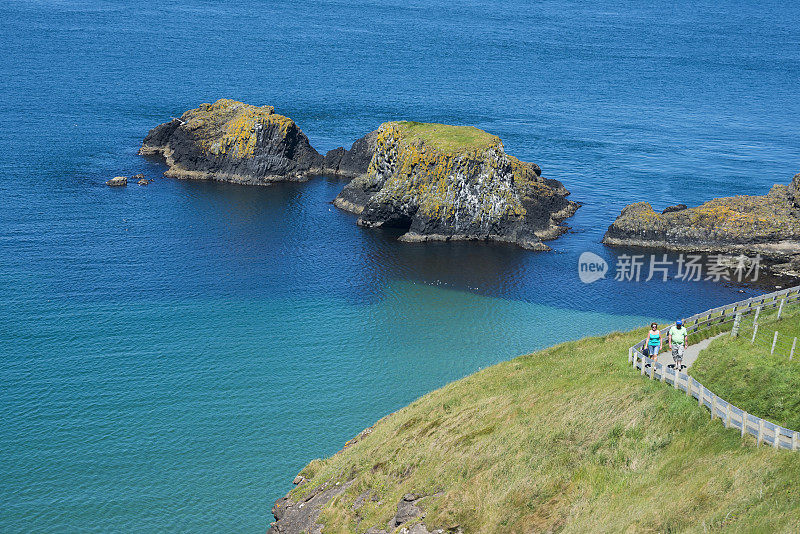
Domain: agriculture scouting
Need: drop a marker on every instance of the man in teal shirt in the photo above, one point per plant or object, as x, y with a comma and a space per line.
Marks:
678, 341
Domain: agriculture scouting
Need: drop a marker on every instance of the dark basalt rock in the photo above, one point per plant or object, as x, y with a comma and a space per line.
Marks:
437, 187
234, 142
767, 225
672, 209
353, 162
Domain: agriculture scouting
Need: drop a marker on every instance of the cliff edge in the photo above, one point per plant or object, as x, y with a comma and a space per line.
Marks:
548, 443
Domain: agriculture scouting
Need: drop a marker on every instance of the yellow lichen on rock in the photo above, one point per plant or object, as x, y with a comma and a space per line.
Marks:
234, 142
231, 127
767, 224
443, 182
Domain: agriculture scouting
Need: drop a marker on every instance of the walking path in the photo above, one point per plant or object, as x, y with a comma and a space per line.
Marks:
732, 416
690, 354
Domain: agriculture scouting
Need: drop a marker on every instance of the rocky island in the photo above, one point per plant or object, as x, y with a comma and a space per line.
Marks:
235, 142
768, 225
441, 182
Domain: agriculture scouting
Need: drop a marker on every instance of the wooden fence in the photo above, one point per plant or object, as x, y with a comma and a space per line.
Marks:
730, 415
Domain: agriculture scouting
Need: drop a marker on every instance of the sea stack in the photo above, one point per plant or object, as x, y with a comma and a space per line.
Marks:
235, 142
767, 225
441, 182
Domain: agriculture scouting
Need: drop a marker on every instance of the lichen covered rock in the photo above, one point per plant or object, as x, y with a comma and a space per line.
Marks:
234, 142
117, 181
768, 225
441, 182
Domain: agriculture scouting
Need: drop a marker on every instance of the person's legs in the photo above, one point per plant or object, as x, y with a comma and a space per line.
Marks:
677, 357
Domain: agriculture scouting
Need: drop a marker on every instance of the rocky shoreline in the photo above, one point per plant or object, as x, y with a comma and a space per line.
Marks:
767, 225
301, 515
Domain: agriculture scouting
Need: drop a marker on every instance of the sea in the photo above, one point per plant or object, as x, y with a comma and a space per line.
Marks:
173, 354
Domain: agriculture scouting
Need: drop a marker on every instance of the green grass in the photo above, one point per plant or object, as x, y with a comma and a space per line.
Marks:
764, 384
445, 137
570, 439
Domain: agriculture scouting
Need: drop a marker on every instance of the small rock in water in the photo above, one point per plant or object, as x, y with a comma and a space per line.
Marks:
143, 182
117, 181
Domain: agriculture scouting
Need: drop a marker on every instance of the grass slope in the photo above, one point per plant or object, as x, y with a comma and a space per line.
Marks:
764, 384
570, 439
445, 137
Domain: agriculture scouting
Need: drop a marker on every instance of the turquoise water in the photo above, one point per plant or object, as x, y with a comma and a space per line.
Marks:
174, 354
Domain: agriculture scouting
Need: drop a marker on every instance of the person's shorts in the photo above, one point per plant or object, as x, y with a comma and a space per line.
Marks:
677, 352
652, 351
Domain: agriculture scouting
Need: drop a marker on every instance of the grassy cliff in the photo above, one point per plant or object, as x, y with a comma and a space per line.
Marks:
445, 137
570, 439
749, 376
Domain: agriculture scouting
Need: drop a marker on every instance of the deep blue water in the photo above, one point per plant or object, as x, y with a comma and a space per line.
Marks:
174, 354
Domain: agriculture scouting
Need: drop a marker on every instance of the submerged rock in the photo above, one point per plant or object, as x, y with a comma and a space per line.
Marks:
768, 225
117, 181
234, 142
441, 182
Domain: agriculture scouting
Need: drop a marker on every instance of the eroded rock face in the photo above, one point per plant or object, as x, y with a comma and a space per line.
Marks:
234, 142
437, 187
768, 225
300, 517
353, 162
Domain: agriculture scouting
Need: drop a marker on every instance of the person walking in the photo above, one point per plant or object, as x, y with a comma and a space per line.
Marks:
678, 341
654, 343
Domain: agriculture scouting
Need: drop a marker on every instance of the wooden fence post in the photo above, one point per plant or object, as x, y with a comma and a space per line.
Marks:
652, 370
760, 431
728, 416
744, 423
755, 331
663, 373
777, 442
701, 394
736, 321
774, 341
780, 308
675, 380
758, 311
795, 441
713, 405
688, 384
794, 344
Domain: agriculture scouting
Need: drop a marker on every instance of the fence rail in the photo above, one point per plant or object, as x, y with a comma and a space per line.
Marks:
730, 415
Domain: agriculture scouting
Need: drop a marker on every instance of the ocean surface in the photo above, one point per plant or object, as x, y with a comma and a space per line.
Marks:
172, 355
